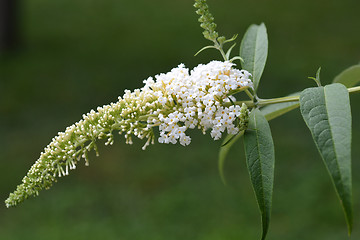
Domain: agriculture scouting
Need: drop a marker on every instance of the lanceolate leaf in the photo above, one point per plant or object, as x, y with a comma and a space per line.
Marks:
326, 111
254, 50
260, 159
349, 77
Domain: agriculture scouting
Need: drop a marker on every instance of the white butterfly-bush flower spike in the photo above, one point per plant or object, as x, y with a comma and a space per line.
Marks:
173, 102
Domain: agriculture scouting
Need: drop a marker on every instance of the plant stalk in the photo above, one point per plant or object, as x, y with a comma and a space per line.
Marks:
264, 102
354, 89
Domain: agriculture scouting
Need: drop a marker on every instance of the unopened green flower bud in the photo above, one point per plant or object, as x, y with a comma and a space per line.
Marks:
221, 39
206, 19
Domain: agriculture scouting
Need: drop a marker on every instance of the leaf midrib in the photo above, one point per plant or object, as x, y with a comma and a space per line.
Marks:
256, 43
261, 170
333, 143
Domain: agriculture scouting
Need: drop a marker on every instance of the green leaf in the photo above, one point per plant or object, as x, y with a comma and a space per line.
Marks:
207, 47
275, 110
254, 50
260, 159
349, 77
318, 74
225, 147
227, 55
326, 111
317, 78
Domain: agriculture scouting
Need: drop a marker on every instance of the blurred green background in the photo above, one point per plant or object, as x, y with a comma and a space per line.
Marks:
76, 55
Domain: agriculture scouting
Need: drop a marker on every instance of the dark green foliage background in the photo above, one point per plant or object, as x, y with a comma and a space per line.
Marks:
76, 55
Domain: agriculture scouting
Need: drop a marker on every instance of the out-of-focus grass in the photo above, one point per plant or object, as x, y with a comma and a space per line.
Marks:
77, 55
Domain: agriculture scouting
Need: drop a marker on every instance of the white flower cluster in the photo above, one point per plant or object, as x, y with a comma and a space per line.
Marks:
197, 100
175, 102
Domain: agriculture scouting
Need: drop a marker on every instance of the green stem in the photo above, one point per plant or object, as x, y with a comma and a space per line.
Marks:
232, 92
219, 47
354, 89
145, 117
264, 102
248, 103
249, 94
